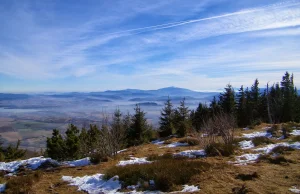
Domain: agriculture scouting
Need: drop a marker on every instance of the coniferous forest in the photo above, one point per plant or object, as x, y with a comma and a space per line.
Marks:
249, 106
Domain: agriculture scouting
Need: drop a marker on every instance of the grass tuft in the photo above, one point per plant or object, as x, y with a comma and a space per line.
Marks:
219, 149
247, 177
166, 173
240, 190
261, 141
281, 149
274, 160
23, 184
190, 140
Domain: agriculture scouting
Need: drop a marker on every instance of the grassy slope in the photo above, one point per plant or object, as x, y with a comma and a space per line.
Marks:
220, 179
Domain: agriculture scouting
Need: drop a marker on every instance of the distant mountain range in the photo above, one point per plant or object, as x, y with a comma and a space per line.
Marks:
130, 95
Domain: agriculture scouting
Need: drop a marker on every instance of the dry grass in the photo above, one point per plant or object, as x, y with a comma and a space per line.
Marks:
220, 178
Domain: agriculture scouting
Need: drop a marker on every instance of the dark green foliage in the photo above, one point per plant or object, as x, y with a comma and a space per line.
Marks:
219, 149
11, 152
201, 114
227, 100
138, 132
240, 190
166, 123
22, 184
118, 132
166, 173
261, 141
72, 142
242, 108
277, 104
247, 177
182, 120
191, 141
56, 147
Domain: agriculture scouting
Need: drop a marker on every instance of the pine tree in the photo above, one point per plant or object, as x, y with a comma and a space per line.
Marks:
166, 123
214, 107
56, 148
117, 131
138, 128
83, 141
242, 108
182, 120
227, 100
289, 97
201, 114
72, 142
254, 100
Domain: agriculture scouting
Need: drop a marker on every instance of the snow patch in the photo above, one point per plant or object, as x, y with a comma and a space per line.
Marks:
191, 153
80, 162
246, 144
190, 188
267, 149
158, 142
173, 145
294, 190
257, 134
2, 187
295, 132
36, 162
133, 160
32, 163
246, 128
121, 151
94, 184
246, 159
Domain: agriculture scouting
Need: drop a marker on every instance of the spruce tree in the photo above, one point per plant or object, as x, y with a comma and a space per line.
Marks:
182, 120
227, 100
72, 142
56, 148
201, 114
242, 108
118, 131
166, 123
254, 100
138, 128
289, 97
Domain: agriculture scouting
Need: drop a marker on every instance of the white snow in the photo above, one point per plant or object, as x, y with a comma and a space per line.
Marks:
34, 163
246, 128
246, 144
295, 132
80, 162
294, 190
121, 151
190, 188
94, 184
191, 153
257, 134
158, 142
267, 149
173, 145
133, 160
245, 159
2, 187
266, 128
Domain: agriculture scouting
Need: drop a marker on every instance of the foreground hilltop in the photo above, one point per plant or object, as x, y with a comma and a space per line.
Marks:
262, 162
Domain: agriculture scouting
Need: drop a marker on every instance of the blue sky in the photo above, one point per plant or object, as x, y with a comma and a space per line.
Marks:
86, 45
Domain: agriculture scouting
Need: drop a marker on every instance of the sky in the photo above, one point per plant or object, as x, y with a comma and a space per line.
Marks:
86, 45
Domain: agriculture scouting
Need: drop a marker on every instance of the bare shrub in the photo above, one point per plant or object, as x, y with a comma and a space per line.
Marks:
218, 134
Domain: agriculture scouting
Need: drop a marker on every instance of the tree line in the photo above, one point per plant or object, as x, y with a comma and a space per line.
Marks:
248, 106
